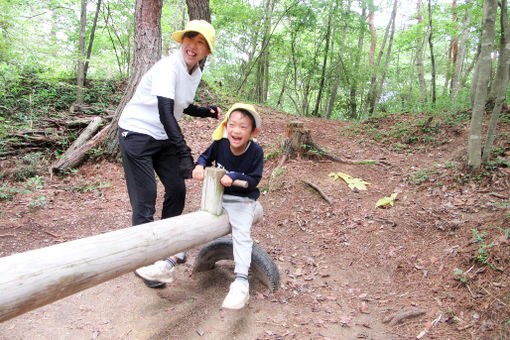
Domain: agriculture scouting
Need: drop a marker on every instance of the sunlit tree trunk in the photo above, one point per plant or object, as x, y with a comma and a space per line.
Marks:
432, 57
80, 79
483, 68
419, 58
315, 111
262, 74
459, 63
91, 39
373, 41
501, 82
388, 54
496, 86
372, 92
355, 81
452, 51
147, 52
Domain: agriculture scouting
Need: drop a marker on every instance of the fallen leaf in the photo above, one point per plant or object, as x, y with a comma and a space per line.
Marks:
385, 201
353, 183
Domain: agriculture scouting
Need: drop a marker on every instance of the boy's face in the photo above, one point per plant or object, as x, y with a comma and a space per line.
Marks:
239, 131
194, 49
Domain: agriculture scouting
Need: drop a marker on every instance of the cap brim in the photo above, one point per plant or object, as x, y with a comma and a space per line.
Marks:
255, 116
177, 36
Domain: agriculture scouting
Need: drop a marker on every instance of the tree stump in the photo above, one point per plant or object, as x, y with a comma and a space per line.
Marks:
297, 140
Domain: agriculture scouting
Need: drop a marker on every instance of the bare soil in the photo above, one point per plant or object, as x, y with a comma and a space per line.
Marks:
348, 270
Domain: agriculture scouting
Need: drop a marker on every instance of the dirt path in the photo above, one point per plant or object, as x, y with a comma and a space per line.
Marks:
345, 268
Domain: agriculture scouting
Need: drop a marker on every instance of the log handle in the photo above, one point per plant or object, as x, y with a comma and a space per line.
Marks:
240, 183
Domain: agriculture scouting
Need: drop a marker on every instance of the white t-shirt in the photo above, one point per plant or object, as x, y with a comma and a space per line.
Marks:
168, 78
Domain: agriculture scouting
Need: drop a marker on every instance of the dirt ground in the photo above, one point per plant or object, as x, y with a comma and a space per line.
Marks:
348, 270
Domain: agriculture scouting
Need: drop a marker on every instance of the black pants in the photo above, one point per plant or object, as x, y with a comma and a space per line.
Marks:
141, 156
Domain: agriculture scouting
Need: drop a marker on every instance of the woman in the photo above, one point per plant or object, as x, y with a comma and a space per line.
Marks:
151, 140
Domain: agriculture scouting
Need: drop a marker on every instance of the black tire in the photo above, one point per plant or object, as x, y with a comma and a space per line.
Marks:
262, 265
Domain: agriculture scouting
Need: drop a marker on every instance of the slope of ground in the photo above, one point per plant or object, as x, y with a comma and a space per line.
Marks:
433, 266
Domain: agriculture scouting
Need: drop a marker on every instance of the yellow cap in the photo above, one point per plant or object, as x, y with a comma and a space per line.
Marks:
218, 133
200, 26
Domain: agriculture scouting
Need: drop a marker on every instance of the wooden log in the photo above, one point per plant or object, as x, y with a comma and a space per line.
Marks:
35, 278
77, 156
85, 135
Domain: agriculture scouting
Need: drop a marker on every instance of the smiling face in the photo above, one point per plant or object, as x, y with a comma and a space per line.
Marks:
240, 129
194, 49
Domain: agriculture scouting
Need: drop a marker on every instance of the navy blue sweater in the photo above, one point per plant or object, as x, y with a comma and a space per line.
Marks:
247, 166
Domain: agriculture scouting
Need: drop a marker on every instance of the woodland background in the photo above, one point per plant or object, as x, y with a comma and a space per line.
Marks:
416, 91
349, 60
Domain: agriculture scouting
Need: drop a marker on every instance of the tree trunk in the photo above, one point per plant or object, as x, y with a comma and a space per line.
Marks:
147, 52
80, 79
199, 9
262, 74
455, 43
372, 92
388, 54
315, 111
91, 39
501, 82
462, 53
432, 58
495, 88
353, 101
483, 68
419, 59
373, 42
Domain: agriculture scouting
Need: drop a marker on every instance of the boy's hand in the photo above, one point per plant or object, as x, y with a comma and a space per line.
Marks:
198, 172
226, 181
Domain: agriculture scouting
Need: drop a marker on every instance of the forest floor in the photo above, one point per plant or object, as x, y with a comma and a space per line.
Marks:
436, 265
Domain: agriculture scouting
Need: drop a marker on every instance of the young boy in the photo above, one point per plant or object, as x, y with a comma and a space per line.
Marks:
243, 159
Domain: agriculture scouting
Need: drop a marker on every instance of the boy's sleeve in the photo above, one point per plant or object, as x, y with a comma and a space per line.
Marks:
254, 175
208, 156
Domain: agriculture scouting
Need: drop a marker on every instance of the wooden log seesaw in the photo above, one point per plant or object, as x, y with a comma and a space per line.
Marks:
38, 277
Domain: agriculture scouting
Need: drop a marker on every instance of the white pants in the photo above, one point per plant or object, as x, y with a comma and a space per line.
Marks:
241, 211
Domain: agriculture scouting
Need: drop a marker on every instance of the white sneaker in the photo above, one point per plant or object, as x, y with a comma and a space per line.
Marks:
237, 296
158, 271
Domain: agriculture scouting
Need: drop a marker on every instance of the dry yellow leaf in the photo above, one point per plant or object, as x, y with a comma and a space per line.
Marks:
353, 183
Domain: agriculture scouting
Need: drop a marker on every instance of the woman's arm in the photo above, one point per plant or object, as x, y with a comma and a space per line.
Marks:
174, 133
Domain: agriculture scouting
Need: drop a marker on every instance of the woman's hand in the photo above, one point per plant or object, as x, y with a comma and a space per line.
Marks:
218, 112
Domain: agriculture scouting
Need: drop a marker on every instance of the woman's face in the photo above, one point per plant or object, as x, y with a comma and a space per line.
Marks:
194, 49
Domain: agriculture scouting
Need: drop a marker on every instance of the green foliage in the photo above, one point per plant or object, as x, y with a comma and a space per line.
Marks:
482, 257
7, 193
422, 176
271, 155
36, 182
29, 166
460, 275
37, 202
28, 96
84, 185
95, 153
